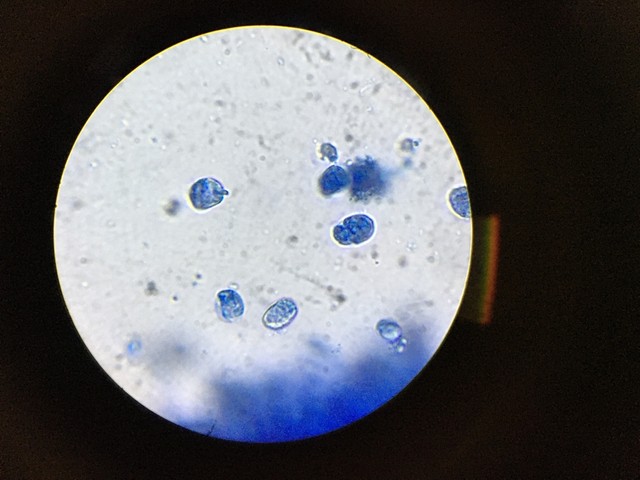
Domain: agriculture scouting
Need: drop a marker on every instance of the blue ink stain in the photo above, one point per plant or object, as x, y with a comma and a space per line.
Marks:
206, 193
459, 201
390, 331
229, 305
367, 179
354, 229
333, 179
280, 314
328, 151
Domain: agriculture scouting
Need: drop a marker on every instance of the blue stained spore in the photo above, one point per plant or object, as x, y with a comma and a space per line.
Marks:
329, 152
390, 331
206, 192
354, 229
280, 314
333, 179
229, 305
459, 201
367, 179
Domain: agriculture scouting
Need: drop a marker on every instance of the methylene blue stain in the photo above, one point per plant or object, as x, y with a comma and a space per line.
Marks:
354, 229
333, 179
281, 405
367, 179
229, 305
459, 201
206, 192
280, 314
329, 152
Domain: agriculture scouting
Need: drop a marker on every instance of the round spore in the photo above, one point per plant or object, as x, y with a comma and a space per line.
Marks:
459, 201
333, 180
354, 229
206, 193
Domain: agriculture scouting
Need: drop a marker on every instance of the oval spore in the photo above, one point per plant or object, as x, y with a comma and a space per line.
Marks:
280, 314
354, 229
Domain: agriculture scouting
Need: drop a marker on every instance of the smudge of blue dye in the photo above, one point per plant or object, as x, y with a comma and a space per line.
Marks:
391, 332
279, 406
206, 193
354, 229
280, 314
134, 348
367, 179
459, 201
333, 180
229, 305
328, 151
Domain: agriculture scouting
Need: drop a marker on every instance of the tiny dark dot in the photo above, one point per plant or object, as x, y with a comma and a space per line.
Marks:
292, 239
348, 137
402, 261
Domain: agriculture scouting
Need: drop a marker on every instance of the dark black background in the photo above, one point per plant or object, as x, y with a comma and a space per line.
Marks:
543, 106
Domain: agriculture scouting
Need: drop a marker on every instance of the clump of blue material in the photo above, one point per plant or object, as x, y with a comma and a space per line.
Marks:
333, 180
459, 201
206, 193
390, 331
354, 229
367, 179
328, 151
229, 305
280, 314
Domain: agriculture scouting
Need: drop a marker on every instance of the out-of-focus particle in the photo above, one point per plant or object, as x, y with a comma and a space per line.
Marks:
328, 151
